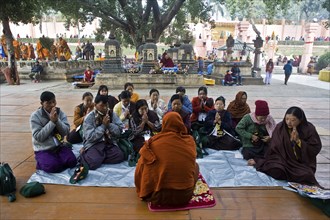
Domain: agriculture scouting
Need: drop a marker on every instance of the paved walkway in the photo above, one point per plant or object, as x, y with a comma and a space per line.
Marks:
60, 202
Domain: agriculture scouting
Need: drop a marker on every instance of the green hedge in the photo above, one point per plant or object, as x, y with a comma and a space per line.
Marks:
323, 61
316, 43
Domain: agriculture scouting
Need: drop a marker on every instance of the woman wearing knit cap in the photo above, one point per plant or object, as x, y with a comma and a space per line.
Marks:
238, 108
293, 150
255, 131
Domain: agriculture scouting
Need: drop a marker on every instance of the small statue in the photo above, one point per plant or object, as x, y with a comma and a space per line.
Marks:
230, 41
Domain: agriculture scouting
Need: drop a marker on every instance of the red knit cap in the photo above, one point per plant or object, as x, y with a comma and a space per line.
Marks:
261, 108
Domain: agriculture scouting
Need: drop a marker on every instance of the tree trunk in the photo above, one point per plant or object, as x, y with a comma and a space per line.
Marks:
9, 40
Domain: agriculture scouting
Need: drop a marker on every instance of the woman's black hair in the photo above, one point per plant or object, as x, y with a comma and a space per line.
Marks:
101, 98
180, 89
125, 95
298, 113
87, 94
102, 87
202, 88
152, 91
176, 96
221, 98
127, 85
140, 103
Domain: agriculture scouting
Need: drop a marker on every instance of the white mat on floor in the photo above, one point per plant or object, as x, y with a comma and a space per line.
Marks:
219, 168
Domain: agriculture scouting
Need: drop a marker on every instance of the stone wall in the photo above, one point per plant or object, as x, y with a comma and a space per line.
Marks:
220, 68
54, 70
148, 81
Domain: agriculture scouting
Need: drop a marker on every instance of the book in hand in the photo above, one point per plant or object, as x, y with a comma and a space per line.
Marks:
308, 191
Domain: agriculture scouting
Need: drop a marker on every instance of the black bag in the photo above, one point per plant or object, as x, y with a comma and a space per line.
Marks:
7, 182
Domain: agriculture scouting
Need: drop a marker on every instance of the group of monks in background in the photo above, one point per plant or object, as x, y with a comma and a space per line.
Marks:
59, 51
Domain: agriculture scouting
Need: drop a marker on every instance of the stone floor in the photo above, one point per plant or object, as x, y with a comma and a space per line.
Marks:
64, 202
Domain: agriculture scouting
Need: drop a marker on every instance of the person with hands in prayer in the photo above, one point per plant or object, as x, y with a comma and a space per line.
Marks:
100, 128
293, 150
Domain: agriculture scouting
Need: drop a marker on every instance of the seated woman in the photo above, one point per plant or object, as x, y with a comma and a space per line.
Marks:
99, 128
156, 104
80, 111
125, 108
166, 172
130, 87
293, 150
238, 108
143, 123
166, 61
49, 125
186, 104
228, 80
201, 106
112, 101
88, 75
176, 106
218, 125
255, 131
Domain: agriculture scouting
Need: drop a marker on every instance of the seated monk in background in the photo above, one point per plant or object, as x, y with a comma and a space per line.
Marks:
167, 171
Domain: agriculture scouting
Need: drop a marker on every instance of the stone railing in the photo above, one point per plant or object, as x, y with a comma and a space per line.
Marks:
147, 81
54, 70
220, 68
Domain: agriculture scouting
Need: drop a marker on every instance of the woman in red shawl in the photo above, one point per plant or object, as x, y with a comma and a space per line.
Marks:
293, 150
166, 61
238, 108
166, 172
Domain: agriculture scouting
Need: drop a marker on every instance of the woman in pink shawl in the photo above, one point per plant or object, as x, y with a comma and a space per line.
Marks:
255, 131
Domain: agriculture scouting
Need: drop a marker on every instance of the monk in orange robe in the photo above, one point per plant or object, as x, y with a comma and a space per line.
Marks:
17, 50
63, 50
167, 171
24, 51
41, 51
31, 55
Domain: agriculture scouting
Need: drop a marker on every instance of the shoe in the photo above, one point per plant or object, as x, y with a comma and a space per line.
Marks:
80, 173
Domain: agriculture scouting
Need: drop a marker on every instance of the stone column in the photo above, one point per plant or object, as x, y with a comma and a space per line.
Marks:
308, 48
283, 28
243, 26
258, 43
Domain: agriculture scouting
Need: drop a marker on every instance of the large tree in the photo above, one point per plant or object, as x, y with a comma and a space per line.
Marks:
24, 11
132, 20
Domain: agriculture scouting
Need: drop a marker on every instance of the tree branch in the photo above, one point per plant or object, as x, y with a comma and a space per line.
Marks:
146, 14
166, 18
155, 10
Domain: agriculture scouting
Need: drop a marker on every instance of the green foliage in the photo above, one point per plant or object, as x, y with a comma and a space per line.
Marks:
46, 42
323, 61
25, 11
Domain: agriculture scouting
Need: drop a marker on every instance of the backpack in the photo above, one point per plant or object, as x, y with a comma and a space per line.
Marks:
7, 182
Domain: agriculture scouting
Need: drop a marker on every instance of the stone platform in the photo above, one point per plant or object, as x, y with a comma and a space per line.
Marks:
54, 70
148, 81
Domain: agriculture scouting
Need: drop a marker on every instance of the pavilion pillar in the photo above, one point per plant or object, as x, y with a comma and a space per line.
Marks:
308, 47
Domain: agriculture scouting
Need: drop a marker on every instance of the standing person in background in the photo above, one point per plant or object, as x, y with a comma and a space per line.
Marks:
200, 65
92, 52
31, 54
269, 71
287, 71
